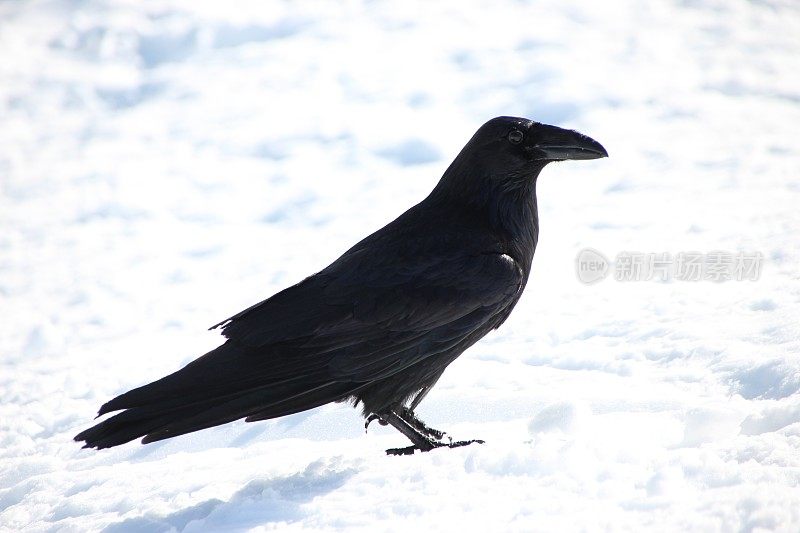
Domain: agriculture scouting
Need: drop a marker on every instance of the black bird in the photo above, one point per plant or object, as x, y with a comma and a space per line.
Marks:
380, 324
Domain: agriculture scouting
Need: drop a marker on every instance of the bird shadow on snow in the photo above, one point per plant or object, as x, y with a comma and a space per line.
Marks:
259, 502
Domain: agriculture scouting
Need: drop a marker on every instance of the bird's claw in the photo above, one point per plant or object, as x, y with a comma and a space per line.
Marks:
410, 450
423, 438
460, 443
371, 418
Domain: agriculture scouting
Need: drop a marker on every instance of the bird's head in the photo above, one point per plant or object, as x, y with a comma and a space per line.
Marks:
519, 143
510, 152
506, 155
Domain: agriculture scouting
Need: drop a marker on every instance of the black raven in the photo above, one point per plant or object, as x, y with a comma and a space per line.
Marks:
379, 325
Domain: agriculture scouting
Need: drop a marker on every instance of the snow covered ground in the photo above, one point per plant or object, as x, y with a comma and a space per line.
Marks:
164, 164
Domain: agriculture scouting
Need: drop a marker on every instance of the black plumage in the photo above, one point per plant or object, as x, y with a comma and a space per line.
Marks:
381, 323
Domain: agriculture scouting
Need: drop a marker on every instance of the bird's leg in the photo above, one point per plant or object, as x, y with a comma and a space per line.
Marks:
411, 419
420, 440
408, 415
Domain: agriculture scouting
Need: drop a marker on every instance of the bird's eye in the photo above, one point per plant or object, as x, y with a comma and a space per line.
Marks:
515, 137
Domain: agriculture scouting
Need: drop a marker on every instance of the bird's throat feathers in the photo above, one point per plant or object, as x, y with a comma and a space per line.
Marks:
507, 202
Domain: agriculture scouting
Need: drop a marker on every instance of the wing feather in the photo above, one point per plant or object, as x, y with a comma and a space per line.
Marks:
367, 323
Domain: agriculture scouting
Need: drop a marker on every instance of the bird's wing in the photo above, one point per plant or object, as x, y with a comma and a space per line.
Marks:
367, 317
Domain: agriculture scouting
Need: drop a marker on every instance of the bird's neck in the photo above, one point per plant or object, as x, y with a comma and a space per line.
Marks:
509, 213
515, 218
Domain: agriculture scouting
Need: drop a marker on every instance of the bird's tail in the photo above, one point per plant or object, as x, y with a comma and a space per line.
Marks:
205, 394
138, 422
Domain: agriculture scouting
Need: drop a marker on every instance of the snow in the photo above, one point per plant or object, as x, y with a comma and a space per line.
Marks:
164, 164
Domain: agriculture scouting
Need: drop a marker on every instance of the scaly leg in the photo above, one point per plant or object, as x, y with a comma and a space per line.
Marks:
408, 415
411, 419
422, 437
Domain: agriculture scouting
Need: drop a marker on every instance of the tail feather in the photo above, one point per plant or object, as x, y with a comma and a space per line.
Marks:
129, 425
228, 383
157, 422
243, 408
226, 370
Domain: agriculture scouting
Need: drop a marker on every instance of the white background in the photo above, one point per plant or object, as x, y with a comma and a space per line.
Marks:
164, 164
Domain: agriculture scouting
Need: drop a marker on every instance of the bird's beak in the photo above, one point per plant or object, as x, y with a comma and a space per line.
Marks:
557, 144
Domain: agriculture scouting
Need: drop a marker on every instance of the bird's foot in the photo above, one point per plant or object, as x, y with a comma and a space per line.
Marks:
423, 438
410, 450
460, 443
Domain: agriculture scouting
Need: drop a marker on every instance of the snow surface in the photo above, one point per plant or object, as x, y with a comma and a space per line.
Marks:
164, 164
